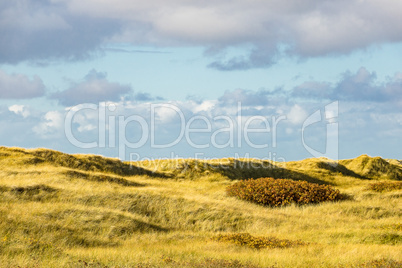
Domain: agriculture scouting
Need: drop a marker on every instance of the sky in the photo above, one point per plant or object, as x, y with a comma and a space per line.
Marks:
278, 80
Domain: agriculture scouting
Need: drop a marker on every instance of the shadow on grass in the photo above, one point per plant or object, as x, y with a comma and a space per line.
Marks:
101, 178
239, 170
39, 192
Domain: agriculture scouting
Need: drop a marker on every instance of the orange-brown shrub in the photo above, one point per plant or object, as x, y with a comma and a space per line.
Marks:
280, 192
385, 186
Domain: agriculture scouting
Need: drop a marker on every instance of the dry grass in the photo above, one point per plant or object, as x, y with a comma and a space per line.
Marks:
59, 210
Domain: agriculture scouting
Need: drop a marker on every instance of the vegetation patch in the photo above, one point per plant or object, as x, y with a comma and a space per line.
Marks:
373, 167
57, 209
385, 186
101, 178
92, 163
393, 227
39, 192
257, 242
381, 263
384, 238
182, 214
369, 212
167, 261
210, 263
206, 263
280, 192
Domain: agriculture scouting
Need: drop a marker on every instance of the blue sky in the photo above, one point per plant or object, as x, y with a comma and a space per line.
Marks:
187, 64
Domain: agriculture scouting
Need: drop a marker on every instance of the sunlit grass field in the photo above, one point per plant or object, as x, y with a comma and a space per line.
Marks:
59, 210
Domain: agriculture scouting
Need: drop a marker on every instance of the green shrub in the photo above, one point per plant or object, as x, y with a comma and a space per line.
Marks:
245, 239
280, 192
385, 186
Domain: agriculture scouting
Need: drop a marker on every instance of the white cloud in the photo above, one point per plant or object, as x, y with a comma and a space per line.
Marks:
167, 112
84, 128
297, 114
52, 123
86, 121
20, 110
205, 106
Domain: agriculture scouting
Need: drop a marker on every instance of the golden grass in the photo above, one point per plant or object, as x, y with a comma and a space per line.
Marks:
59, 210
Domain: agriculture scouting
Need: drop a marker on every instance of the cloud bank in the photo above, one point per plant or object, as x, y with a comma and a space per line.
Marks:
47, 30
94, 88
19, 86
268, 30
366, 105
360, 86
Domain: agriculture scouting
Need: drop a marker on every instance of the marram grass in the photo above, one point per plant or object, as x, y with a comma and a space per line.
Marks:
60, 210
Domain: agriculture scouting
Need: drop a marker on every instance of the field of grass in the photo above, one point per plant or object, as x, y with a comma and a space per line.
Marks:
60, 210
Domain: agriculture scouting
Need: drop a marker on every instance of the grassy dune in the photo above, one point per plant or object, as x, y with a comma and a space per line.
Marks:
60, 210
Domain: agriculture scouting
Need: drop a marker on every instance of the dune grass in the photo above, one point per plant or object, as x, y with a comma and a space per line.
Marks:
60, 210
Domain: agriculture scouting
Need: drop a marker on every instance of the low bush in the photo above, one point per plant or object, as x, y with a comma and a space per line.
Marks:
385, 186
280, 192
245, 239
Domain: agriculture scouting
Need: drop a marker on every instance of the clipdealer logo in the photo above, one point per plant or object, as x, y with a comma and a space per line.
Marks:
237, 128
